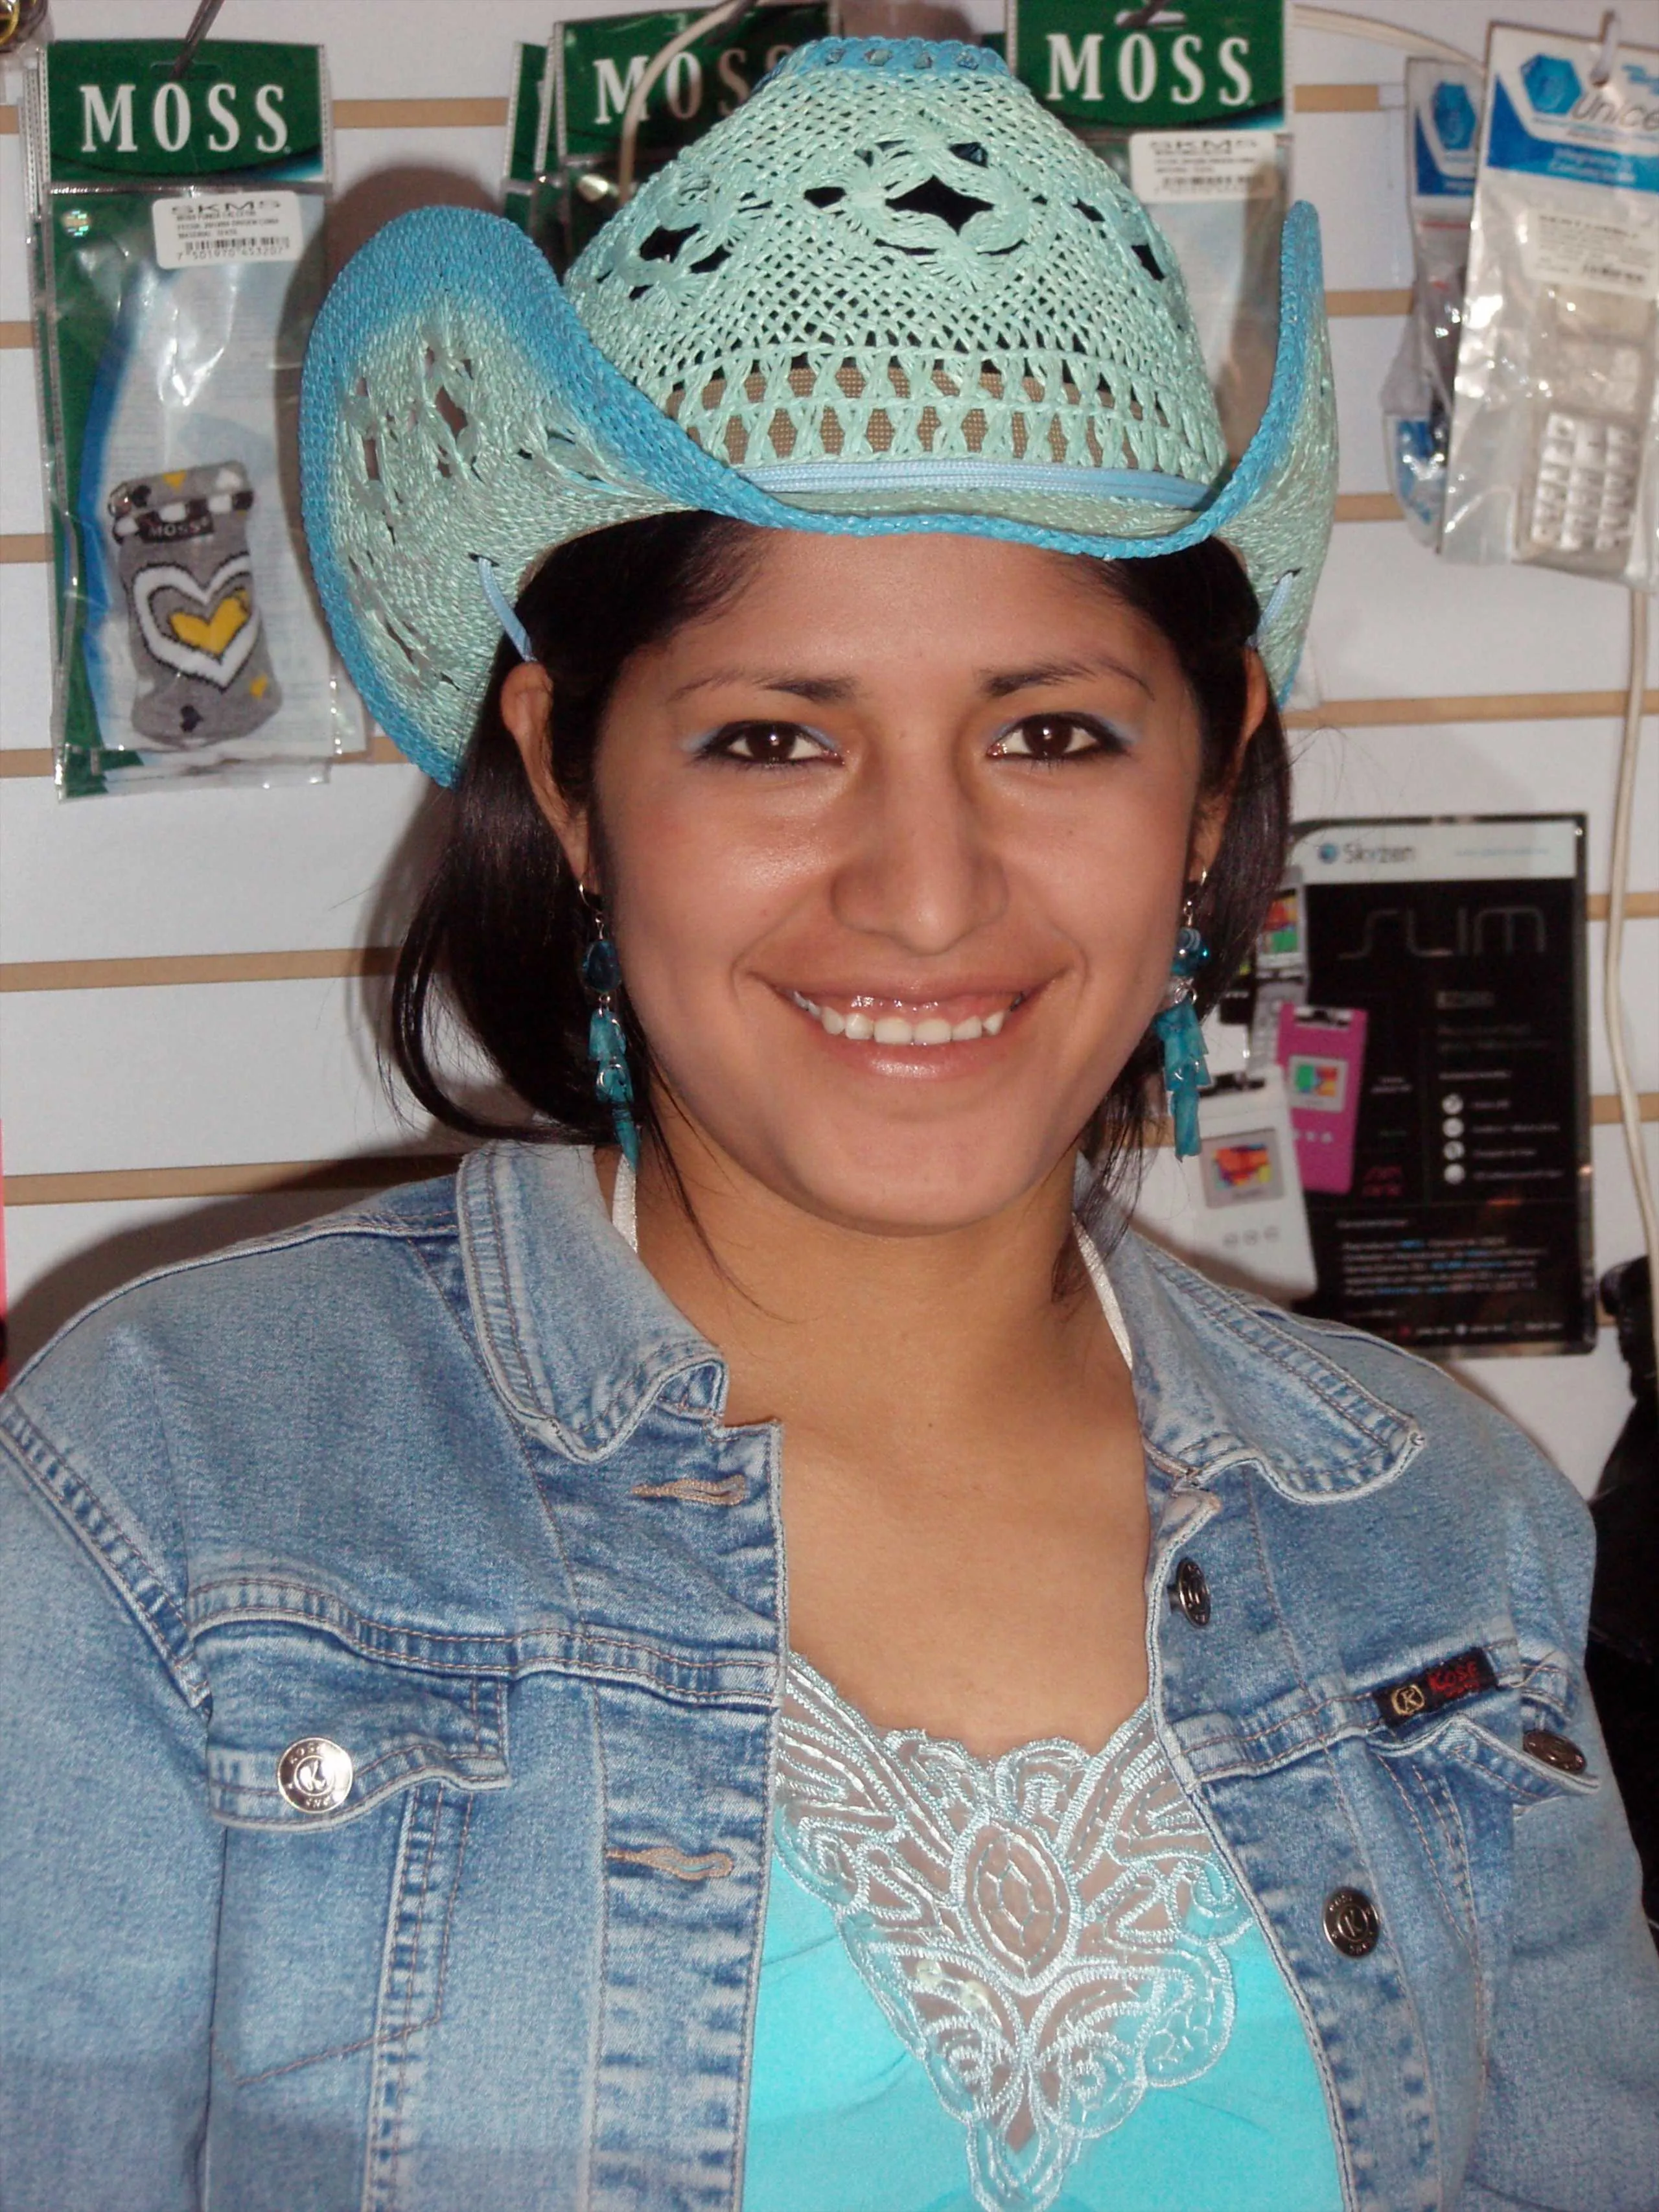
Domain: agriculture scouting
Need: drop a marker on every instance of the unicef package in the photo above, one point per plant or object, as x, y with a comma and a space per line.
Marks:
1442, 123
1554, 453
177, 256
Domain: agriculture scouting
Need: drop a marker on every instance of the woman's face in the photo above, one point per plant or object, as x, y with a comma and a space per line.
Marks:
894, 848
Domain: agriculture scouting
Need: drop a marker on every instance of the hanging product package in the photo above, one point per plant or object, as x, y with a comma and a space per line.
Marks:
1555, 453
1190, 107
565, 122
177, 258
1442, 122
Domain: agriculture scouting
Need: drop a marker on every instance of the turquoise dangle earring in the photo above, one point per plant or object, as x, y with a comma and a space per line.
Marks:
1186, 1070
607, 1046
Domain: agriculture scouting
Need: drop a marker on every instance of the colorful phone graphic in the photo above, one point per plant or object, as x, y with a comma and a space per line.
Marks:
1321, 1050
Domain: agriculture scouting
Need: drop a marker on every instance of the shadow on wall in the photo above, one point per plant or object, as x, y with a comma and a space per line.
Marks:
192, 1233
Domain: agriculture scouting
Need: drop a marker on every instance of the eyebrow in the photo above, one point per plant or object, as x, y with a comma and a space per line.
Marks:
822, 690
1002, 683
835, 690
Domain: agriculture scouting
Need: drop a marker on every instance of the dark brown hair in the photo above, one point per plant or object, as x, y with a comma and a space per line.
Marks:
499, 935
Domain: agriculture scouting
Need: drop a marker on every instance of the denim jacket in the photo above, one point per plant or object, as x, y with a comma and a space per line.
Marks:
442, 1482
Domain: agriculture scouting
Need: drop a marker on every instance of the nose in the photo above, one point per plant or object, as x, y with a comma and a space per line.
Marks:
923, 869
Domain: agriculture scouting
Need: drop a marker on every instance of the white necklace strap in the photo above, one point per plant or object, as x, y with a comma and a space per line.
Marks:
1103, 1291
624, 1219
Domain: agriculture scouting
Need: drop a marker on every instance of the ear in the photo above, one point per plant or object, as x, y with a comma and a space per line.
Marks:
528, 711
1211, 819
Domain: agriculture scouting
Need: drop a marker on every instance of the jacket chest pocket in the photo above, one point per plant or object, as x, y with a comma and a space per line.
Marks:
346, 1786
1464, 1782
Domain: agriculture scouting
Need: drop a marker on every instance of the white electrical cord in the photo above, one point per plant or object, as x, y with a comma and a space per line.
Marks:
1345, 25
1630, 1104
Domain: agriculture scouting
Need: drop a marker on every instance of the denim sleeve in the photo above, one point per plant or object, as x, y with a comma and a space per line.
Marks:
1570, 2120
109, 1872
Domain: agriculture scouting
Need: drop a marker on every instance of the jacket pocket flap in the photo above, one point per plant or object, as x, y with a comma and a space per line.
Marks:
1528, 1780
306, 1733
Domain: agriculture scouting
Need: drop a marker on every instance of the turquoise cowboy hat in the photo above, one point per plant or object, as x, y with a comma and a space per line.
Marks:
888, 293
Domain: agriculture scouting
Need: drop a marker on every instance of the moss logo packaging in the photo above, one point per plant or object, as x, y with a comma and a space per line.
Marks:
1555, 453
564, 129
1188, 104
177, 258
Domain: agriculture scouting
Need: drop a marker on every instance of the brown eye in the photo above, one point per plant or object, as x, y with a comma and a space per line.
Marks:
1056, 737
766, 745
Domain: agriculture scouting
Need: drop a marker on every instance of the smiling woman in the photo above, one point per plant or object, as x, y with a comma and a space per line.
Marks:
757, 1645
1029, 712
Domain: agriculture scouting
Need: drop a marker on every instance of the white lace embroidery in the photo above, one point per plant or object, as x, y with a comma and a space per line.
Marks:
1046, 1931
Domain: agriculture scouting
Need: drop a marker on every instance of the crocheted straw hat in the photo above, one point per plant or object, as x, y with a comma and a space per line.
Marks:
889, 292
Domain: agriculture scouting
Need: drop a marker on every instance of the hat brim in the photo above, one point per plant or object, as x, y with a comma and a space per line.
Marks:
454, 407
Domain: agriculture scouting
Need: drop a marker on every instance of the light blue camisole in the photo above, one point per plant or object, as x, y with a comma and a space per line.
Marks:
1020, 1983
1004, 1986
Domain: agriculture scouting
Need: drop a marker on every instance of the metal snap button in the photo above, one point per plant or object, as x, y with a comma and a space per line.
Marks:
1558, 1751
1190, 1593
1351, 1923
315, 1775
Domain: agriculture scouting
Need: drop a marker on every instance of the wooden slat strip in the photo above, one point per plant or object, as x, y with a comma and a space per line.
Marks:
371, 1171
1477, 707
14, 336
1368, 302
1604, 1108
1335, 714
19, 548
8, 125
1367, 507
164, 970
1336, 98
463, 114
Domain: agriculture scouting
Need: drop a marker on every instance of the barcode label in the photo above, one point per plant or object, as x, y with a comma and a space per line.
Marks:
213, 226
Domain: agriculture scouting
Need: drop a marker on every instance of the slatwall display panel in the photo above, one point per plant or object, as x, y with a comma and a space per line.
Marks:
186, 1074
217, 1078
170, 874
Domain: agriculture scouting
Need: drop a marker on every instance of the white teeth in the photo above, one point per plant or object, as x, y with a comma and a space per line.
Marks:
894, 1028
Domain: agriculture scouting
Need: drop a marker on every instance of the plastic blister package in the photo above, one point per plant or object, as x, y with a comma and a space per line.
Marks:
1554, 453
1190, 109
177, 254
1442, 123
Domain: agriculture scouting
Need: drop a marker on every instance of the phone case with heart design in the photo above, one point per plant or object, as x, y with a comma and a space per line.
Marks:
204, 674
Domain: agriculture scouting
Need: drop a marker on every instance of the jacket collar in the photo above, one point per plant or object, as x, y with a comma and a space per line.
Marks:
581, 1343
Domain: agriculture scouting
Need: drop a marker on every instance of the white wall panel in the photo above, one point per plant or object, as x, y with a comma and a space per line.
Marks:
14, 255
1363, 347
299, 866
1353, 167
25, 654
1484, 767
22, 497
192, 1075
1393, 620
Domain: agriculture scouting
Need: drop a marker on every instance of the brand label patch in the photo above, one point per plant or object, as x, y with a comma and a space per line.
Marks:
1444, 1684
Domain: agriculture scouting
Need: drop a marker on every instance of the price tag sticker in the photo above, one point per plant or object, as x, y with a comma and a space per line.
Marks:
209, 227
1612, 252
1202, 165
